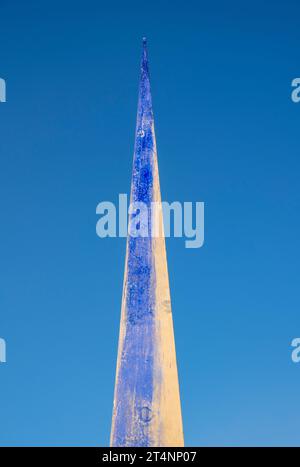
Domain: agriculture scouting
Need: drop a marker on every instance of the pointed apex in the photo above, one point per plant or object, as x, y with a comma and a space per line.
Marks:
144, 55
144, 60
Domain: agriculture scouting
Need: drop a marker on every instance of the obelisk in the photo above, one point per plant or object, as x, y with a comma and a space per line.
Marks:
146, 409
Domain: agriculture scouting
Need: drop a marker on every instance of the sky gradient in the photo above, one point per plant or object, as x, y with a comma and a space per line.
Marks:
227, 134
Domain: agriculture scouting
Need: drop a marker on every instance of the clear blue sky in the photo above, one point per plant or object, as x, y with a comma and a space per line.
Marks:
227, 134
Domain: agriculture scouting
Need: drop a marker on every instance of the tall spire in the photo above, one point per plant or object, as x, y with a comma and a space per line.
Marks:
146, 408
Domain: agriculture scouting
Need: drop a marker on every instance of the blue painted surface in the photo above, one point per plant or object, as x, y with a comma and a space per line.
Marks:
135, 378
